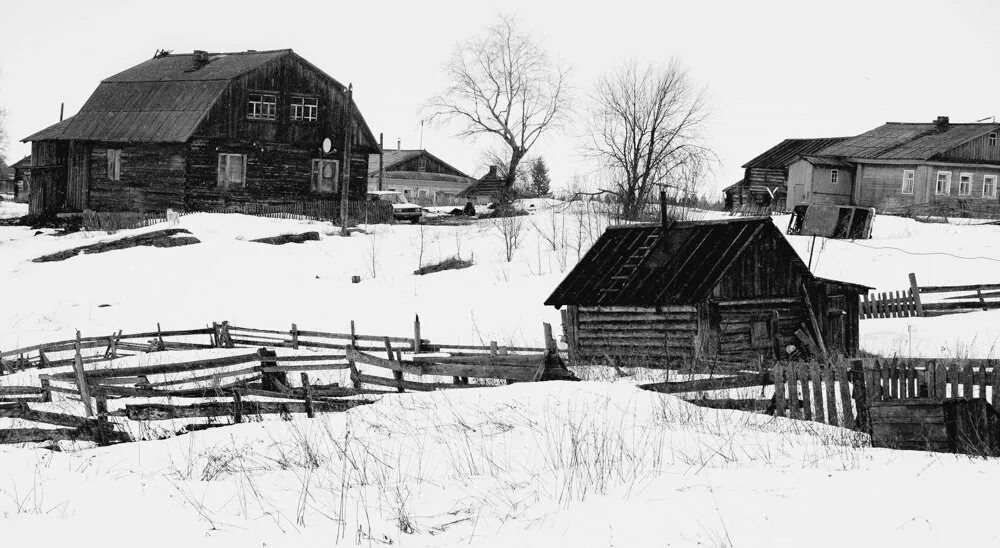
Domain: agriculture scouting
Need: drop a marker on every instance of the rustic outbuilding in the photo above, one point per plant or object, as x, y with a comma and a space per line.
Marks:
201, 130
422, 177
765, 178
730, 289
489, 188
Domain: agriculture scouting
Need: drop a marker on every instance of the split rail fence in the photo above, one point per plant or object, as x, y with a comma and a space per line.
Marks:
910, 302
250, 384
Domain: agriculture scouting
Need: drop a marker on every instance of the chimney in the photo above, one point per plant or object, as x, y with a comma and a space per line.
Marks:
200, 58
493, 173
399, 144
941, 123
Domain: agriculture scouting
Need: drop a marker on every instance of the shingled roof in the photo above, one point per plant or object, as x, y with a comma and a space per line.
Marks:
682, 267
907, 141
787, 151
163, 99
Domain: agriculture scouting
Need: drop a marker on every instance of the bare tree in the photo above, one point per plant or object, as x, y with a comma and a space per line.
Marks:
511, 228
503, 85
498, 157
645, 127
3, 136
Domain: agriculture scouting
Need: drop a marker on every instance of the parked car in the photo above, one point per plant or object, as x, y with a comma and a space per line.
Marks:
402, 210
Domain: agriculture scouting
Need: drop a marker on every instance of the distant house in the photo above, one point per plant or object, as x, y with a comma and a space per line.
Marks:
421, 176
730, 288
765, 179
22, 178
200, 130
489, 188
898, 166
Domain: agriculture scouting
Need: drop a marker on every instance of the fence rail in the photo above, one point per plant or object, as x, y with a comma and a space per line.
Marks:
910, 302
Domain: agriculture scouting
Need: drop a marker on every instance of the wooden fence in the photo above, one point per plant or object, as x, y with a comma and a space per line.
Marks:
910, 302
254, 383
365, 212
113, 221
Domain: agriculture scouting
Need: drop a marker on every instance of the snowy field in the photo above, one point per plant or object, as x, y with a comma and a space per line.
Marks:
548, 464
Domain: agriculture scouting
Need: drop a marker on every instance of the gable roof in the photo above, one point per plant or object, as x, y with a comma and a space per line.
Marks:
392, 158
23, 162
490, 185
785, 152
682, 267
906, 141
162, 99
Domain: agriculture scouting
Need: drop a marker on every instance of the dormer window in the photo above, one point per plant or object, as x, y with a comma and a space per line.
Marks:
304, 109
262, 106
993, 139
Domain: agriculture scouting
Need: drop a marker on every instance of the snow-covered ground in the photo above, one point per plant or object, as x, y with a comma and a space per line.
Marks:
576, 464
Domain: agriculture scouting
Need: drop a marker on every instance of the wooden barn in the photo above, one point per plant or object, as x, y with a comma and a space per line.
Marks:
731, 289
202, 130
765, 178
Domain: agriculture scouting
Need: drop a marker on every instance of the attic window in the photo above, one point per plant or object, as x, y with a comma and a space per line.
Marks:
993, 139
834, 175
262, 106
304, 108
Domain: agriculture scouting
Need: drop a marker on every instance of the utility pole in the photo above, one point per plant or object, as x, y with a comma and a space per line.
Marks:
346, 171
381, 164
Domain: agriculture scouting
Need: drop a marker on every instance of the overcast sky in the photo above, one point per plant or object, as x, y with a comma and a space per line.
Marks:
774, 69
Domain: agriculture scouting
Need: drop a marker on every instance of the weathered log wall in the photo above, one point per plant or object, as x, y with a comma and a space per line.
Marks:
632, 335
151, 177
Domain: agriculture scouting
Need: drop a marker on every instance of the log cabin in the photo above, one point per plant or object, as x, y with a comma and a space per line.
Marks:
904, 167
488, 189
765, 178
203, 130
421, 176
731, 289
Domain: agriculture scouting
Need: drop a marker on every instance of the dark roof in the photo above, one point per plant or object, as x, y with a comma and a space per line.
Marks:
787, 151
734, 186
392, 158
683, 265
828, 162
424, 176
23, 162
162, 99
490, 185
906, 141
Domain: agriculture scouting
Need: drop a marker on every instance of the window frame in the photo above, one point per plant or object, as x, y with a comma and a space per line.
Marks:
834, 176
254, 113
299, 111
970, 178
912, 180
222, 171
992, 194
947, 181
114, 164
314, 175
992, 139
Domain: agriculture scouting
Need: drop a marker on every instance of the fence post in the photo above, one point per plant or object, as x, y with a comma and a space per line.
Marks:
308, 394
416, 334
81, 379
103, 427
915, 290
237, 407
225, 340
397, 375
860, 379
46, 390
355, 375
295, 336
275, 381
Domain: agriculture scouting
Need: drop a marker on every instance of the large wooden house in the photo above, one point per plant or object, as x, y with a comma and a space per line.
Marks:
731, 289
200, 130
421, 176
765, 178
897, 167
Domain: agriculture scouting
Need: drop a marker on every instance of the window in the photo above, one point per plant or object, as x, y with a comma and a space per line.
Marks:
993, 139
943, 185
965, 184
325, 175
114, 164
834, 175
232, 170
989, 186
262, 106
304, 108
908, 176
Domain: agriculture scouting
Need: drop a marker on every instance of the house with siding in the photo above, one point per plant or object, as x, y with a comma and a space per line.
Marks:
421, 176
898, 167
202, 130
765, 178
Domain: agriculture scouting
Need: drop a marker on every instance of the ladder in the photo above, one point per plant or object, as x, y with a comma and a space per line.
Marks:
627, 269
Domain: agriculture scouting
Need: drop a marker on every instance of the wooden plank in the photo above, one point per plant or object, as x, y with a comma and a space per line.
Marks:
982, 382
831, 396
967, 380
955, 288
817, 332
940, 380
954, 379
717, 383
81, 380
995, 387
915, 292
792, 377
803, 375
159, 411
196, 365
779, 389
37, 435
817, 393
847, 418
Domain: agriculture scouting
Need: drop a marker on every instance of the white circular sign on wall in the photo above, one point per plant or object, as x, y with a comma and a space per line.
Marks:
327, 145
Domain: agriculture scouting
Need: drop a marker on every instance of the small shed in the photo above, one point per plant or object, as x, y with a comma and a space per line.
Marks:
732, 289
489, 188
